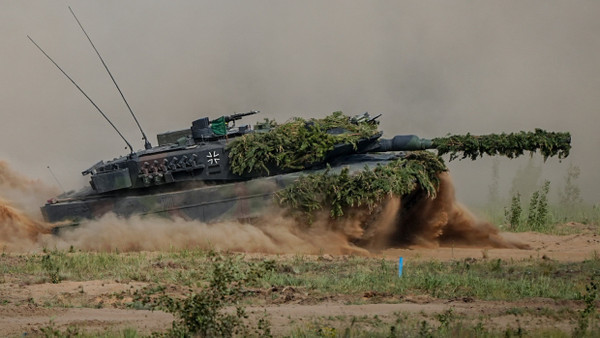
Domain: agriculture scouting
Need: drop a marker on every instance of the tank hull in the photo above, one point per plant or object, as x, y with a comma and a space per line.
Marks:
209, 203
206, 203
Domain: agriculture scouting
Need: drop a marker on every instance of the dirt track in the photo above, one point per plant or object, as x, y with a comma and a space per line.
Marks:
570, 248
15, 322
30, 314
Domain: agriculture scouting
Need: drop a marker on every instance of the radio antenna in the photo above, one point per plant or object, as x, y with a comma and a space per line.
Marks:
82, 92
56, 179
147, 144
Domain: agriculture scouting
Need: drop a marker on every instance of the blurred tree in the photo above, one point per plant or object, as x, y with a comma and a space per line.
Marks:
570, 194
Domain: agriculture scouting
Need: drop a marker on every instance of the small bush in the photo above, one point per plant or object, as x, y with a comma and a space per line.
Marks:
202, 313
50, 265
513, 215
538, 209
570, 194
587, 314
538, 212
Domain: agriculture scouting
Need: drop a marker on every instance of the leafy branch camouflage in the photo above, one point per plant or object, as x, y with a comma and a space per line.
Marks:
510, 145
294, 145
337, 192
300, 143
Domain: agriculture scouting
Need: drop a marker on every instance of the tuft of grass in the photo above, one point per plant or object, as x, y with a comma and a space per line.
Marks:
445, 324
52, 268
51, 331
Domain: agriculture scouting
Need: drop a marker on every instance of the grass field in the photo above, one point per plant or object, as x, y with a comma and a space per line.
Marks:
508, 295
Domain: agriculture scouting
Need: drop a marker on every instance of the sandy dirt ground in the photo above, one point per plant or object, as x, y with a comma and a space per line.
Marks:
569, 248
24, 310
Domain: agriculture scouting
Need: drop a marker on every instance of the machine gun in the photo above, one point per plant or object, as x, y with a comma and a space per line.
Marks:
236, 116
204, 129
221, 127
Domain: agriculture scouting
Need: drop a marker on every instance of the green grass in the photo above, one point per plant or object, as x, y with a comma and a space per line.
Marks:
486, 280
171, 267
558, 216
352, 276
51, 331
446, 324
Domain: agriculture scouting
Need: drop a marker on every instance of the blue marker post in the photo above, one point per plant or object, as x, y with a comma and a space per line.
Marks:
400, 267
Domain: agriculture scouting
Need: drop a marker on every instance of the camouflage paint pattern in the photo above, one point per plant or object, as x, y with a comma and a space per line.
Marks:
207, 203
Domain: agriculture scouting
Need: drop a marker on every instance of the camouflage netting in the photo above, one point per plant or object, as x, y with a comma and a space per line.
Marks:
294, 145
337, 192
510, 145
300, 143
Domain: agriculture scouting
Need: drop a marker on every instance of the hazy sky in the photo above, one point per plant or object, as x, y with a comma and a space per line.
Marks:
431, 67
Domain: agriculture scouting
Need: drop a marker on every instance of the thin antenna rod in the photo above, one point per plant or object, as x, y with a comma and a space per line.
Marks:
147, 144
56, 179
82, 92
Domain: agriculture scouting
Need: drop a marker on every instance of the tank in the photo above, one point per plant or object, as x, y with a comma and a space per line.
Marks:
189, 173
215, 170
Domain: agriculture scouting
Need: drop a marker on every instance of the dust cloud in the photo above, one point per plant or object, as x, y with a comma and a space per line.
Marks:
17, 230
444, 221
277, 235
22, 192
429, 222
20, 199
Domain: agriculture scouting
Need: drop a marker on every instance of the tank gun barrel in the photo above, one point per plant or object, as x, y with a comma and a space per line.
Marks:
511, 145
404, 143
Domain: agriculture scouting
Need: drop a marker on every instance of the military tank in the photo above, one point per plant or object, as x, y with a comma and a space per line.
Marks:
189, 174
215, 170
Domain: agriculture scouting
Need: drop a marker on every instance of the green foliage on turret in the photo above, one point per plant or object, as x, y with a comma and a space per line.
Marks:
295, 144
510, 145
337, 192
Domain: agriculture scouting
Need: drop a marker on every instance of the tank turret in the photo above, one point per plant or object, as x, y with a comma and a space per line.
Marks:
200, 153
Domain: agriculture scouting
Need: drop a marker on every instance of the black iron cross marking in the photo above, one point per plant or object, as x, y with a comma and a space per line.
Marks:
213, 157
